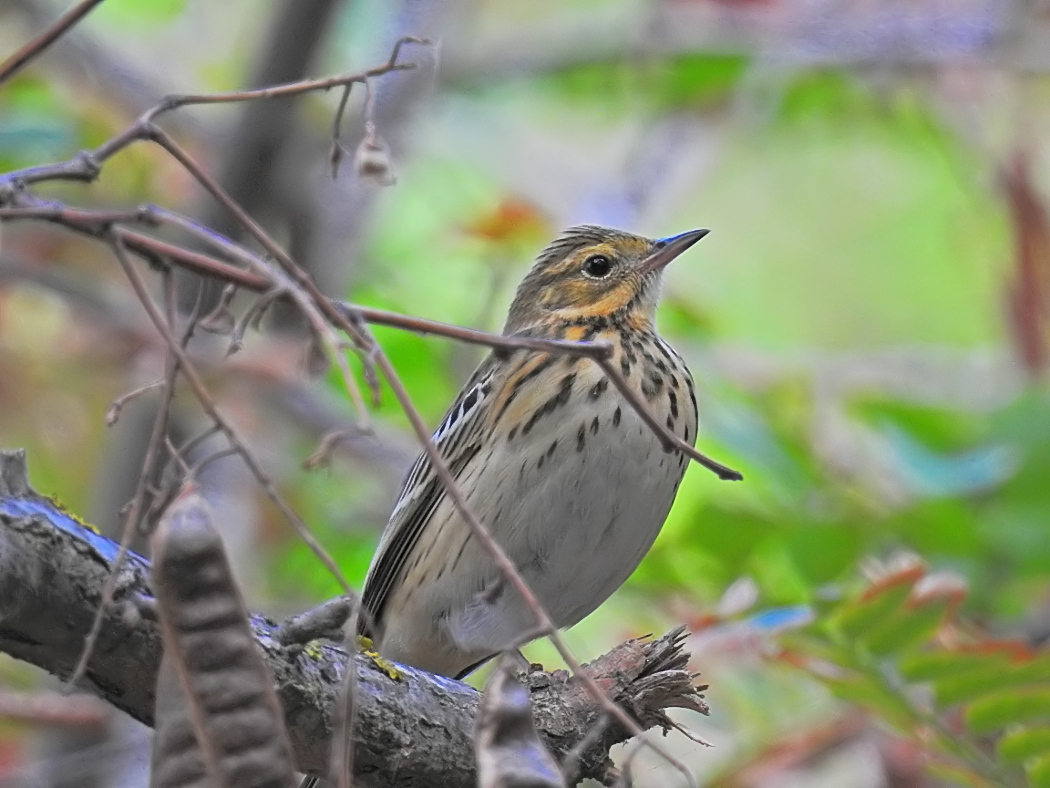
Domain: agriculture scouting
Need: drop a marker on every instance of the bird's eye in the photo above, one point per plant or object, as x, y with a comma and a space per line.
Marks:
597, 266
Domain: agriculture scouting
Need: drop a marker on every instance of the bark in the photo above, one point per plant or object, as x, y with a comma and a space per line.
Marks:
413, 729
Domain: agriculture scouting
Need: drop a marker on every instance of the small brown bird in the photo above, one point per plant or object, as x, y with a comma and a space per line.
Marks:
557, 465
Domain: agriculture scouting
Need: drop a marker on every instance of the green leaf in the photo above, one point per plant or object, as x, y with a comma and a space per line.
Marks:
823, 552
1021, 744
777, 574
875, 608
869, 692
1039, 772
909, 628
997, 675
997, 711
944, 663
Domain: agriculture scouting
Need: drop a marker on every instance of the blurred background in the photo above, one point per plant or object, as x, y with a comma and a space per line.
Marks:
868, 323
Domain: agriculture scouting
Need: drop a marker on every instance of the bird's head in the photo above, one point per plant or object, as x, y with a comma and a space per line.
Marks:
591, 272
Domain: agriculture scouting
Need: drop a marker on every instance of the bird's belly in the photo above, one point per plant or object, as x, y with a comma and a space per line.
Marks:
591, 492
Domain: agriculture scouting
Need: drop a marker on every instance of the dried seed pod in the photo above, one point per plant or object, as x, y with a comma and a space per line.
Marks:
510, 753
230, 710
372, 160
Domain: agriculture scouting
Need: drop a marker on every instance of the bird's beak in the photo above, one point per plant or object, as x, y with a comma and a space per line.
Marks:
667, 249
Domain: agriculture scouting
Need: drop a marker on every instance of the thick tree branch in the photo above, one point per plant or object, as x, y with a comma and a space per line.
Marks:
413, 730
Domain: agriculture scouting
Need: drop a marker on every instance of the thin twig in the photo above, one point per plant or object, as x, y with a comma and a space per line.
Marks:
600, 352
19, 59
113, 412
288, 89
199, 467
338, 151
322, 455
132, 517
87, 164
200, 391
191, 444
322, 330
670, 440
342, 757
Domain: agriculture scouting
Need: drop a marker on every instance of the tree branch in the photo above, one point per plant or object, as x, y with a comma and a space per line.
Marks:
19, 59
414, 729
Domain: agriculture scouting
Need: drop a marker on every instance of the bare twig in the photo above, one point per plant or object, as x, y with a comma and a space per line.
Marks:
86, 165
290, 89
670, 440
134, 510
342, 757
208, 404
215, 456
19, 59
113, 413
600, 352
338, 151
308, 306
322, 454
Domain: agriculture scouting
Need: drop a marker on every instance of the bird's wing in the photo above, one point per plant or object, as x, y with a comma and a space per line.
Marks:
459, 439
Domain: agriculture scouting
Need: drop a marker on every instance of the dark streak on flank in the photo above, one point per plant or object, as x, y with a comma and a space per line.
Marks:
673, 399
512, 433
537, 370
651, 386
670, 423
616, 416
553, 446
594, 425
581, 436
599, 388
562, 397
459, 554
664, 352
692, 391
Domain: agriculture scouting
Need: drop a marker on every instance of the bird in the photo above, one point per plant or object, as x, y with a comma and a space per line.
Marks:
554, 461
